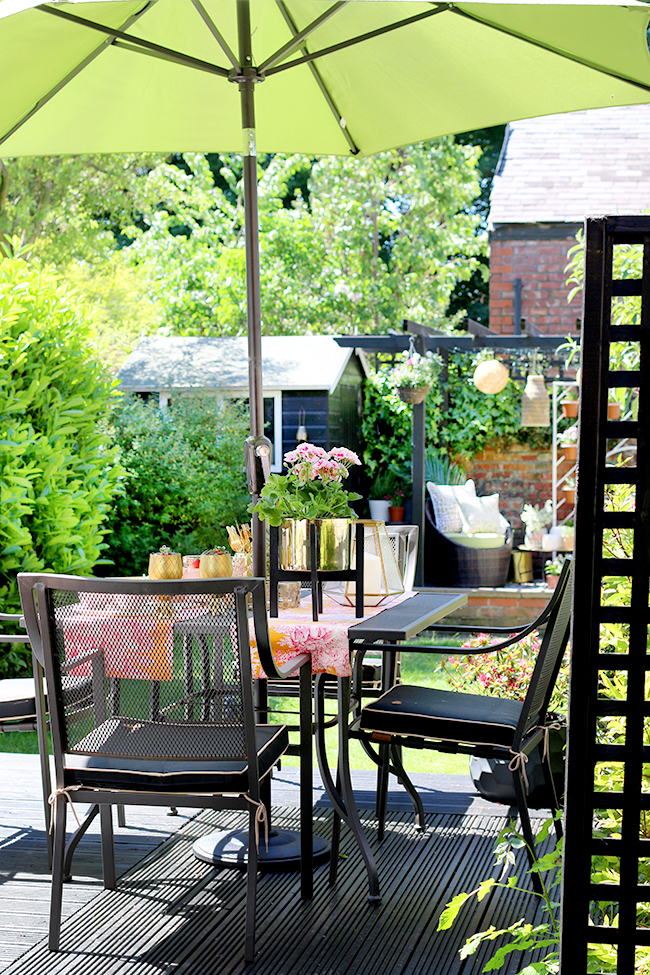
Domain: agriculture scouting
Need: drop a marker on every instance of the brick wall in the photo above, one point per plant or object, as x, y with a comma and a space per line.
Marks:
514, 605
517, 474
538, 256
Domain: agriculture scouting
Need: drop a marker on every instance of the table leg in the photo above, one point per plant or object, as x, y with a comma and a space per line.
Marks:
342, 798
306, 786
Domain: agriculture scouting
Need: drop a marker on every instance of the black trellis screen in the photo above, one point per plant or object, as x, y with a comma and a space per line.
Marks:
606, 894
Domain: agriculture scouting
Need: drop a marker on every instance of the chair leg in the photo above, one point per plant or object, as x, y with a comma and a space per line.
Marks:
336, 837
552, 791
383, 771
121, 817
400, 771
251, 891
108, 852
56, 897
526, 828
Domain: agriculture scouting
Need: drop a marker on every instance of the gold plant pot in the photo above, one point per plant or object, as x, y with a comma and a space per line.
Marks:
162, 566
333, 544
217, 566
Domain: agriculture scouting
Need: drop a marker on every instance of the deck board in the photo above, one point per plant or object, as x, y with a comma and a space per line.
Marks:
172, 913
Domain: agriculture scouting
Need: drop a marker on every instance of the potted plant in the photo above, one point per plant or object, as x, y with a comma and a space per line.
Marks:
552, 570
165, 564
570, 402
569, 489
536, 518
414, 375
215, 563
396, 505
381, 495
311, 491
568, 441
613, 410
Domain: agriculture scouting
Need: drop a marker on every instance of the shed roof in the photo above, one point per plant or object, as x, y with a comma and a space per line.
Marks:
561, 168
291, 362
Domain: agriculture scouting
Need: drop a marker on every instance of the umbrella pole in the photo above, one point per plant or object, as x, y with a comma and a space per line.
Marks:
246, 82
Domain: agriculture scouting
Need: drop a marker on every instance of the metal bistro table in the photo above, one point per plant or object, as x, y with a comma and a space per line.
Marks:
386, 631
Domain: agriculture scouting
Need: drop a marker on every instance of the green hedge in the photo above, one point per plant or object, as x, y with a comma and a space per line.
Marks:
184, 479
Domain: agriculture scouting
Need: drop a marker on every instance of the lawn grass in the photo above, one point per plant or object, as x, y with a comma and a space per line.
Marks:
417, 668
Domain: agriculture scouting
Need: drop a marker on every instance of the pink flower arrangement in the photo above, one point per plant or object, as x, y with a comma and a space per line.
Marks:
312, 487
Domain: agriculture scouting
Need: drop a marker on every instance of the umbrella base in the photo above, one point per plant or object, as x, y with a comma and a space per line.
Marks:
229, 848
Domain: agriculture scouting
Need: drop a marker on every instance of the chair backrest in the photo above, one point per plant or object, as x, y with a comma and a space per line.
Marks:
143, 669
549, 658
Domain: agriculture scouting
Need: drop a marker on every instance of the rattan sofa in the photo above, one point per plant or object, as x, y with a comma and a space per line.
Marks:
447, 563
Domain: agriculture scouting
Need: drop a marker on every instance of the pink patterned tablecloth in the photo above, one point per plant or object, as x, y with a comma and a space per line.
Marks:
294, 632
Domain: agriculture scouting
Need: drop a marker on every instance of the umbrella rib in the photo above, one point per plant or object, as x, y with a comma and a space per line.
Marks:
216, 33
333, 48
548, 47
354, 149
138, 43
300, 36
72, 74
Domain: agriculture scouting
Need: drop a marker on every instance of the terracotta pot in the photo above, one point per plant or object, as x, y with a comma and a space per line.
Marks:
570, 496
396, 513
551, 581
413, 394
570, 452
166, 566
613, 411
217, 566
570, 409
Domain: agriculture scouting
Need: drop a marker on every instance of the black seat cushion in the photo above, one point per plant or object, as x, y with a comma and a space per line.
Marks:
17, 699
168, 775
425, 712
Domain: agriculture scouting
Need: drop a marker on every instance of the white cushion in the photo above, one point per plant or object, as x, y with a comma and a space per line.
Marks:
444, 498
480, 514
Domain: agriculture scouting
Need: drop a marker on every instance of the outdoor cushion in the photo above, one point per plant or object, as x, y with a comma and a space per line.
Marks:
477, 540
425, 712
480, 514
17, 699
190, 774
445, 501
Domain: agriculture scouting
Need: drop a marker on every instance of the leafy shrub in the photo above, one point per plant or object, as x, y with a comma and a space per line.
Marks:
184, 478
57, 472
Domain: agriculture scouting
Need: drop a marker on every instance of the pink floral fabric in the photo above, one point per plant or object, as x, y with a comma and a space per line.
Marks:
294, 632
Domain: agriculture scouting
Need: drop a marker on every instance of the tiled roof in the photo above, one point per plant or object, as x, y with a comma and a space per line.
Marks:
289, 362
564, 167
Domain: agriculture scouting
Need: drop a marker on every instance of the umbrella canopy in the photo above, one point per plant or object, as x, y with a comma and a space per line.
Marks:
310, 76
330, 77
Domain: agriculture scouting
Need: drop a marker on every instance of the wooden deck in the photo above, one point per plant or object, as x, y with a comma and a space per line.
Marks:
175, 914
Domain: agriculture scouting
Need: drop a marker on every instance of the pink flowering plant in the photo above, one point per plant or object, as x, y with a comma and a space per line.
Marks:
502, 673
311, 488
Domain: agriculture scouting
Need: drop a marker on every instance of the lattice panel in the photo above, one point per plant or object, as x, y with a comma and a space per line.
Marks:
606, 886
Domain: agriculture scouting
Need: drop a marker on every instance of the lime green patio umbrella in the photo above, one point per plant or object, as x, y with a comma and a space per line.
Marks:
309, 76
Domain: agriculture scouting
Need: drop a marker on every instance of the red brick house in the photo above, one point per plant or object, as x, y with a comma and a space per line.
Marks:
553, 171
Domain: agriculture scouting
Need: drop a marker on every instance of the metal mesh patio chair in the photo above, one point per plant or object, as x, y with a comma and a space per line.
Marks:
409, 716
170, 718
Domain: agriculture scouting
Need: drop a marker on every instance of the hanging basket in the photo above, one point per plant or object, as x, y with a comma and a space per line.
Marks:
413, 394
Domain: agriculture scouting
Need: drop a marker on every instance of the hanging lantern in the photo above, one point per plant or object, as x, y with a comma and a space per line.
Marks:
491, 376
535, 404
301, 432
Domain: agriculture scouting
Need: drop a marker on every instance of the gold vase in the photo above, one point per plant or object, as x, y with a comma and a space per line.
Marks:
215, 566
166, 566
333, 544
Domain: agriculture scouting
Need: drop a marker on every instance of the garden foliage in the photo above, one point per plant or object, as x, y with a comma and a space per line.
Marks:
57, 471
184, 480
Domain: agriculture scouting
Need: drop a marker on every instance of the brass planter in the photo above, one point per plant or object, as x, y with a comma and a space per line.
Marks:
333, 544
217, 566
166, 566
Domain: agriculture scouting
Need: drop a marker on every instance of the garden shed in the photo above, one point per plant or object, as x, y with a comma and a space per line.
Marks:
308, 381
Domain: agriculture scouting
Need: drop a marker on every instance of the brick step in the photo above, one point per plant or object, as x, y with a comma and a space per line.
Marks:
512, 603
